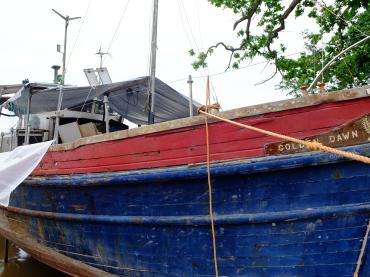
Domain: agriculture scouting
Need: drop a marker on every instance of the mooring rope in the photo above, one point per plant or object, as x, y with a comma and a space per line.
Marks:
208, 101
311, 145
362, 252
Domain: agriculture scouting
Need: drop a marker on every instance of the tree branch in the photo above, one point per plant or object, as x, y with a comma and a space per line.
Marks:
248, 17
341, 25
285, 15
228, 48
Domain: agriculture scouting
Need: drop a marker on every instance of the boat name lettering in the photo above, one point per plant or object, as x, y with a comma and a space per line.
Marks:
351, 133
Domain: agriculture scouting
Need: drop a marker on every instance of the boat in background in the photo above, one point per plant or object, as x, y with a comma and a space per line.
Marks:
135, 202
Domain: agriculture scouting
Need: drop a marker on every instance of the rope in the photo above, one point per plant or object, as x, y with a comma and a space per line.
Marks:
364, 243
311, 145
209, 181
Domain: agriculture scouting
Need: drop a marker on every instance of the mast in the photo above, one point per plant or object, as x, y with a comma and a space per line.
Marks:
67, 19
153, 55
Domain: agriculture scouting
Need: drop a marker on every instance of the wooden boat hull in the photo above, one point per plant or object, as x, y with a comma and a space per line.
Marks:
296, 215
182, 142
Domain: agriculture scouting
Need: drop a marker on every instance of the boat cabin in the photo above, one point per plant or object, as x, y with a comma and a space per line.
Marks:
85, 111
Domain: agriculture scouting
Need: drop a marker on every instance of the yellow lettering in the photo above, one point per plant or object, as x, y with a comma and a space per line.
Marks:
339, 138
281, 148
345, 136
354, 134
332, 139
287, 146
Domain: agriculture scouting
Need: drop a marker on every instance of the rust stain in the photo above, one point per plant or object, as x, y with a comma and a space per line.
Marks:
40, 230
338, 174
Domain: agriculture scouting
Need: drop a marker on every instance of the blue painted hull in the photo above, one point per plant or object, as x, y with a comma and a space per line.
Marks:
297, 215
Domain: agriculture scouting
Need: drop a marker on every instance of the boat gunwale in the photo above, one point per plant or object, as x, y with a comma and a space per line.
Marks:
219, 219
248, 111
243, 166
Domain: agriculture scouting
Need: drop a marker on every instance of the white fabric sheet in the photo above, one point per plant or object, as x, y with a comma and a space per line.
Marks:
16, 165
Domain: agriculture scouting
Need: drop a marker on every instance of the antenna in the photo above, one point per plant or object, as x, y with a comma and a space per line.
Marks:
101, 54
66, 19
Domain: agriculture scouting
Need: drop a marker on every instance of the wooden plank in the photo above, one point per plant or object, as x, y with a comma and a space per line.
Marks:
187, 145
333, 99
17, 234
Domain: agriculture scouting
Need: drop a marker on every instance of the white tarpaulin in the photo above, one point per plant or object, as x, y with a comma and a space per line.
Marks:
16, 165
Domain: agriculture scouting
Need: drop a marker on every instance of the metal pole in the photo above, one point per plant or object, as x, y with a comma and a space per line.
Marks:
190, 82
106, 112
27, 120
57, 115
62, 82
66, 19
1, 94
11, 138
2, 142
64, 50
153, 55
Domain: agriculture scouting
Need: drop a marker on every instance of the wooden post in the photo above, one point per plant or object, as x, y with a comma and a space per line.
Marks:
6, 254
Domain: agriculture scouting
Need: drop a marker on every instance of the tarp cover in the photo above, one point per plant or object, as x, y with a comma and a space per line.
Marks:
16, 165
128, 99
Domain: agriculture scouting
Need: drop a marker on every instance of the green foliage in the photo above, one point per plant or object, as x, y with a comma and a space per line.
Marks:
339, 25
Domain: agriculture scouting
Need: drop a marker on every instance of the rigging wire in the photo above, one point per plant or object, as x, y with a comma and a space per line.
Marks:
117, 28
183, 25
191, 36
199, 25
78, 34
323, 5
189, 26
229, 71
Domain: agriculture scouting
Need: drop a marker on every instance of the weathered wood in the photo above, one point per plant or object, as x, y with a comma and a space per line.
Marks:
297, 215
284, 105
6, 251
18, 234
186, 145
351, 133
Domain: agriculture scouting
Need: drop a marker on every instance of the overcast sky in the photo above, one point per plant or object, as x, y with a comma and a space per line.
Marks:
30, 31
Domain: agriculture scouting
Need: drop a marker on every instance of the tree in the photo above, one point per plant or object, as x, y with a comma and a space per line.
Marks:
339, 25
